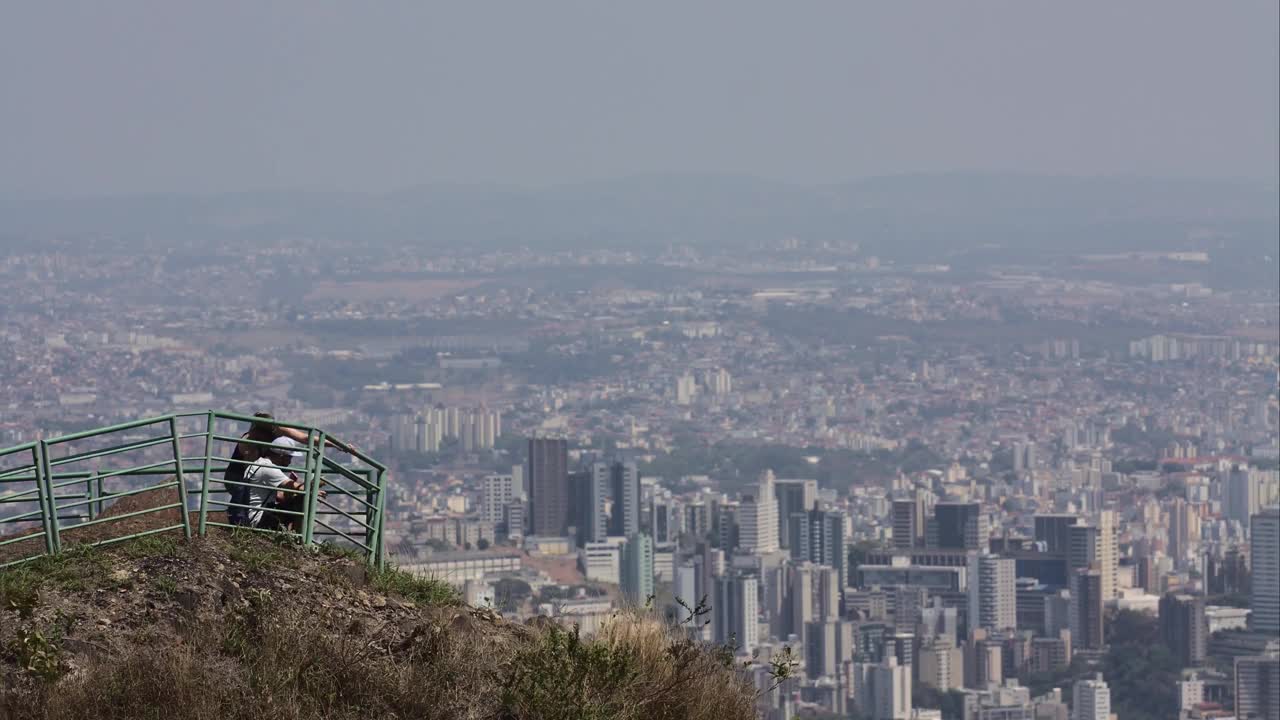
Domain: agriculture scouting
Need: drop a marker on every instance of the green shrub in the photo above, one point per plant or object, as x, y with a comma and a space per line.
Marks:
423, 591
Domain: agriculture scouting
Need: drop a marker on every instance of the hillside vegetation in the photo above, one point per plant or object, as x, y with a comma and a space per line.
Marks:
241, 625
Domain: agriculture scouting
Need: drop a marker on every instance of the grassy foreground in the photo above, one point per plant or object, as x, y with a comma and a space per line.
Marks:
243, 626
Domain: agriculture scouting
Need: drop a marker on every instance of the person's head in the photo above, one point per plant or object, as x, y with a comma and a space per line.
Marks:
263, 429
282, 450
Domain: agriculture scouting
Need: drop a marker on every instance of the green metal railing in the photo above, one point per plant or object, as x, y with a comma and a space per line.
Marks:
66, 485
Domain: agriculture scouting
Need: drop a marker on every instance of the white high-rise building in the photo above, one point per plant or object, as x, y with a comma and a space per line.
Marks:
992, 592
719, 382
497, 492
686, 388
758, 519
1091, 700
1107, 553
1264, 556
602, 561
685, 588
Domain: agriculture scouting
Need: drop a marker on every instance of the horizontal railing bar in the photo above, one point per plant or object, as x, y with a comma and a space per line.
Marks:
20, 538
246, 441
123, 516
107, 430
236, 417
133, 471
352, 518
119, 449
24, 517
69, 483
131, 536
247, 528
82, 475
347, 473
114, 496
24, 447
353, 496
348, 537
4, 476
218, 415
56, 497
238, 483
14, 497
227, 504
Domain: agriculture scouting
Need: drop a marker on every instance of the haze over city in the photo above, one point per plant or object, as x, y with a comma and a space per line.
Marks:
910, 361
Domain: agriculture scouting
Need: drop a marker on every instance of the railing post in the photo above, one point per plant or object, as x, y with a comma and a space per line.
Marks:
49, 507
315, 455
91, 495
370, 515
204, 480
380, 554
182, 481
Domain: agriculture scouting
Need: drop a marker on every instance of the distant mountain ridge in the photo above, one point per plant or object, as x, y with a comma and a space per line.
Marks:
897, 216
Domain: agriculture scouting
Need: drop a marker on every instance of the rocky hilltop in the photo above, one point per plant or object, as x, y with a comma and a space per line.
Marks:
243, 625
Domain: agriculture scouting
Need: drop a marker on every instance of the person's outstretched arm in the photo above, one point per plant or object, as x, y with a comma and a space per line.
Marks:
301, 436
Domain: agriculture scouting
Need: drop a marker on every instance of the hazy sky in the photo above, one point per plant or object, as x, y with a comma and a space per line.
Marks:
123, 96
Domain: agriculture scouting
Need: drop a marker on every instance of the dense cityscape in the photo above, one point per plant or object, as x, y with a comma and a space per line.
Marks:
571, 360
944, 492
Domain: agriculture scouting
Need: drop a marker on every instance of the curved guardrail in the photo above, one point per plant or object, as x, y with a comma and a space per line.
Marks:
66, 486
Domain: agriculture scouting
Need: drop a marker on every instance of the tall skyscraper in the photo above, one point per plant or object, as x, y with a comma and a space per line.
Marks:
909, 522
1086, 609
827, 594
827, 542
794, 496
758, 518
1184, 529
799, 599
1258, 687
1091, 700
1183, 628
992, 592
959, 526
548, 486
1243, 494
1264, 553
587, 493
1108, 553
735, 612
798, 540
1094, 546
637, 569
1024, 456
623, 481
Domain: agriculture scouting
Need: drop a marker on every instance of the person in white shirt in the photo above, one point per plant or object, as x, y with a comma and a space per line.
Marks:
270, 476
